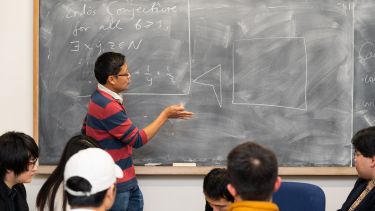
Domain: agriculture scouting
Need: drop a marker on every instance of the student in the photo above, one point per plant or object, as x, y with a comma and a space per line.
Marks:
18, 163
50, 196
107, 121
362, 197
253, 178
215, 190
89, 180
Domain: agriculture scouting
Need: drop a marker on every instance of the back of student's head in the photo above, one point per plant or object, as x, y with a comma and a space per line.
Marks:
215, 185
46, 195
16, 151
82, 185
108, 64
253, 171
364, 141
89, 176
75, 144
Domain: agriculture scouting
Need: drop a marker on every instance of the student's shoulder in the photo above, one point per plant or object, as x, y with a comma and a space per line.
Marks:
361, 181
20, 188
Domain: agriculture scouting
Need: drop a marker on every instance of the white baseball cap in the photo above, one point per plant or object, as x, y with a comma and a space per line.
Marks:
96, 166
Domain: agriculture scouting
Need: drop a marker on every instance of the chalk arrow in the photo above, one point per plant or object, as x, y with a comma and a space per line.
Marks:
212, 78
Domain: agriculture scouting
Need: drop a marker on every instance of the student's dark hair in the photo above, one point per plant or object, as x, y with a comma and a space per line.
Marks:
215, 185
107, 64
253, 171
364, 141
16, 151
46, 195
81, 184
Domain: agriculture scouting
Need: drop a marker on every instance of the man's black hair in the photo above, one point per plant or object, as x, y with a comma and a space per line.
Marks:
16, 151
364, 141
253, 171
108, 64
215, 185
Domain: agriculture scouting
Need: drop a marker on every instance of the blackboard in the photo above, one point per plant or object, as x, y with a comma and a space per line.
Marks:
364, 61
277, 72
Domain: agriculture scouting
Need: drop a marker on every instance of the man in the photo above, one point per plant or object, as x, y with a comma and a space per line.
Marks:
215, 190
89, 180
253, 174
362, 197
107, 121
18, 164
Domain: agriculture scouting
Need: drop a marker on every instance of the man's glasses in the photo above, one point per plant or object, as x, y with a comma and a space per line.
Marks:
32, 163
125, 74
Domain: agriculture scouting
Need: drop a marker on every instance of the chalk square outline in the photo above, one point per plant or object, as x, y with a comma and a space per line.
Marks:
269, 105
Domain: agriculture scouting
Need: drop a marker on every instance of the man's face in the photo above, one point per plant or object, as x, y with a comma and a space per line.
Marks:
27, 176
218, 205
122, 79
363, 165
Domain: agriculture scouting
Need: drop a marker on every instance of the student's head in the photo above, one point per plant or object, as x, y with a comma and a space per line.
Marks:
253, 172
89, 179
46, 195
111, 70
364, 146
18, 157
215, 189
75, 144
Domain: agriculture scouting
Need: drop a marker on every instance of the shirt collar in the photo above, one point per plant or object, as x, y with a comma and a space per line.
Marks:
9, 192
110, 92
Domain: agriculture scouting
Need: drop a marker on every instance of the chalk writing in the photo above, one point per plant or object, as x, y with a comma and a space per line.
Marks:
79, 28
109, 45
171, 77
367, 104
85, 11
366, 52
133, 10
148, 76
75, 45
112, 25
148, 24
368, 79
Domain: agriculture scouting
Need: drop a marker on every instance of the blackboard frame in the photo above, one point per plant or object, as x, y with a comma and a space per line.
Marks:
203, 170
142, 170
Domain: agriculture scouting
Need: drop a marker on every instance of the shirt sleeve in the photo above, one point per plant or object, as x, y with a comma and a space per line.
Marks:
120, 126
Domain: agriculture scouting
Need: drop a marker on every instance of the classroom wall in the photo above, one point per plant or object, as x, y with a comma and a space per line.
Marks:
161, 193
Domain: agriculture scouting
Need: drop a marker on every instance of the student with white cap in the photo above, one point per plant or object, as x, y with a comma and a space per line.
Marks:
89, 180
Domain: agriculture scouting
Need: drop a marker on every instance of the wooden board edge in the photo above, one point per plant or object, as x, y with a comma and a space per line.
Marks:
283, 171
36, 71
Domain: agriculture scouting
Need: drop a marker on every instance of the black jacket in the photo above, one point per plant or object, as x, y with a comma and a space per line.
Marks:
17, 193
367, 204
208, 207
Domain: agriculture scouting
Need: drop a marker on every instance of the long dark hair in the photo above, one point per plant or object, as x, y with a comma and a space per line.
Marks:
46, 195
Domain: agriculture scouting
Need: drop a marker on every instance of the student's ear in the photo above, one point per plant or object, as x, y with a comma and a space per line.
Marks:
277, 184
232, 190
9, 172
110, 197
372, 162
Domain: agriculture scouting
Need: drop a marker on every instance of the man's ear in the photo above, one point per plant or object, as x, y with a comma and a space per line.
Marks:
232, 190
111, 79
277, 184
372, 162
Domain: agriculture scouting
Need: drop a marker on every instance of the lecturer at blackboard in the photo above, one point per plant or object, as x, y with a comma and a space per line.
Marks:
107, 121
